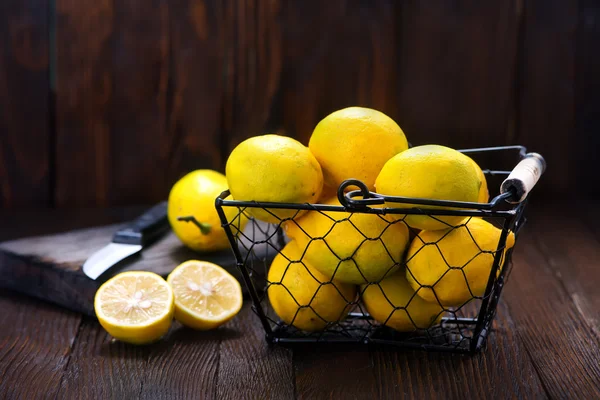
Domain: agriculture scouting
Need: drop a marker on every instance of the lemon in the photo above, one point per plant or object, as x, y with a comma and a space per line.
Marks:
135, 307
303, 297
469, 248
353, 248
393, 302
355, 142
194, 195
273, 168
430, 172
484, 194
206, 296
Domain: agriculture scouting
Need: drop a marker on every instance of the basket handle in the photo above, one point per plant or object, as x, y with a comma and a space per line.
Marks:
523, 177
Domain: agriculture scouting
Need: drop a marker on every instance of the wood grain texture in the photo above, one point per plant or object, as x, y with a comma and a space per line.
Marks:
185, 365
502, 371
248, 367
253, 62
197, 67
35, 345
139, 147
102, 368
573, 254
24, 106
587, 98
335, 54
316, 366
456, 68
547, 88
84, 92
562, 346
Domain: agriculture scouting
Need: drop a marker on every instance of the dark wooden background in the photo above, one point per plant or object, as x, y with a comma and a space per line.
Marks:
108, 102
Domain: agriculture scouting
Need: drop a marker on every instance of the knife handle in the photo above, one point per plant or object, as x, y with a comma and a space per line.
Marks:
145, 228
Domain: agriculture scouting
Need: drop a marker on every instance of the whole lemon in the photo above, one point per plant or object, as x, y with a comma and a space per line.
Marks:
393, 303
355, 142
456, 262
273, 168
194, 195
350, 247
303, 297
430, 172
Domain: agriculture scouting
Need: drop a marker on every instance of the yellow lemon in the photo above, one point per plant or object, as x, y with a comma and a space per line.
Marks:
355, 142
430, 172
206, 296
303, 297
135, 307
194, 195
484, 194
456, 262
393, 302
353, 248
273, 168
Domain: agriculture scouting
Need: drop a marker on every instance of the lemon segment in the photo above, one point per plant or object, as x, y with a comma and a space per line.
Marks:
206, 296
135, 307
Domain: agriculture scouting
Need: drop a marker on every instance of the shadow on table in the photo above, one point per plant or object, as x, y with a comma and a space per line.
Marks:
178, 336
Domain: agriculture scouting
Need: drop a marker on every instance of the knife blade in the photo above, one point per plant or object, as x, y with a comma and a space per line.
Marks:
129, 240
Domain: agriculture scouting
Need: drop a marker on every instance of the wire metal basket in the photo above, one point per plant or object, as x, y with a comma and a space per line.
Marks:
396, 317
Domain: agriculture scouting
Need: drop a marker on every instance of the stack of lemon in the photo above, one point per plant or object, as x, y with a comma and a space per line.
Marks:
336, 260
406, 270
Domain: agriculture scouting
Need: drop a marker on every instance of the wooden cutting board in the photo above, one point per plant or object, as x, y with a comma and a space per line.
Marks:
50, 267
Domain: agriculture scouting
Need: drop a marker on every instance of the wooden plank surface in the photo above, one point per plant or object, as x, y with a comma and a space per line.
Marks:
503, 370
248, 367
456, 70
253, 45
562, 346
50, 267
543, 345
25, 134
84, 92
587, 98
196, 56
140, 67
546, 89
35, 346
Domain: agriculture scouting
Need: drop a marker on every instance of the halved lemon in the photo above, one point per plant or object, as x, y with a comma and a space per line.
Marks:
206, 296
135, 307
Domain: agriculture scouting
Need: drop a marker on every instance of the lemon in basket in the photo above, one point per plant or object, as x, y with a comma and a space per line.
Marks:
194, 195
355, 142
273, 168
484, 194
135, 307
354, 248
303, 297
393, 302
206, 295
456, 262
430, 172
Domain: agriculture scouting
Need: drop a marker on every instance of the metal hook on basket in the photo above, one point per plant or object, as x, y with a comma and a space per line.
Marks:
346, 199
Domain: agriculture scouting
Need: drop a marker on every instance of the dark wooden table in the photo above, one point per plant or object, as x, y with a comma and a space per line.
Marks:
545, 345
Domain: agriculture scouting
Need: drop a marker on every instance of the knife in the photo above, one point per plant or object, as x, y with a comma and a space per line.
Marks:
129, 240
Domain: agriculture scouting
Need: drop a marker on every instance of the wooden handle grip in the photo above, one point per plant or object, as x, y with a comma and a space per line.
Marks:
524, 177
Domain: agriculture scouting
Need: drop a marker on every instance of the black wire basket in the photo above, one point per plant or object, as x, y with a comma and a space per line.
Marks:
431, 313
